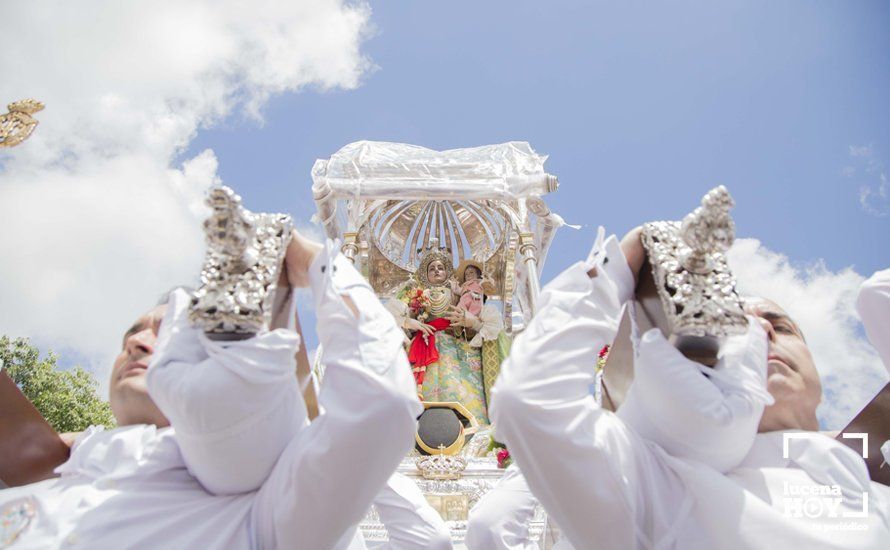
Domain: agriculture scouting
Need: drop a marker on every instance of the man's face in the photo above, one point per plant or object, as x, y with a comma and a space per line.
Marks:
128, 393
436, 272
792, 378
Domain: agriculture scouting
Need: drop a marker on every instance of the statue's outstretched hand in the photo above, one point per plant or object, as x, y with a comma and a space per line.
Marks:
455, 288
462, 318
425, 329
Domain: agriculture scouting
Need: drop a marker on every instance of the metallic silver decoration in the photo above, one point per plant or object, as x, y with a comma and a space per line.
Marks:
244, 256
441, 466
691, 275
478, 444
455, 498
395, 197
707, 231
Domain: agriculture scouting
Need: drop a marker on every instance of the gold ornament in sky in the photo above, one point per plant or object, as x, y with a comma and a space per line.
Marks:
16, 125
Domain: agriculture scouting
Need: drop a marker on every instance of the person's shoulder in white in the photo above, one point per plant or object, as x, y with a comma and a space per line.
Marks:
603, 483
132, 484
873, 305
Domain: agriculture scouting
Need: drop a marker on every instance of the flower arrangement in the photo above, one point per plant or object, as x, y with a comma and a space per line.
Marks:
500, 452
417, 301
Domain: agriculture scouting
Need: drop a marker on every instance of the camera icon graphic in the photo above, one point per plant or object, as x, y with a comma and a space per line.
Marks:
820, 501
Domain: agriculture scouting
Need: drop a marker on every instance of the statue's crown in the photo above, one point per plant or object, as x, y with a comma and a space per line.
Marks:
431, 253
441, 466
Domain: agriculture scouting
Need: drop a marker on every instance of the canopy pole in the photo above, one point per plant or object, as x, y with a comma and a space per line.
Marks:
350, 247
528, 251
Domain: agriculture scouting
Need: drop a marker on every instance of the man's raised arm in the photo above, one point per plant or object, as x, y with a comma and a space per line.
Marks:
584, 464
327, 478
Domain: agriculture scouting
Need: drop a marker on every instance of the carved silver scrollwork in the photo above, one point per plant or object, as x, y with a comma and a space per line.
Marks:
245, 252
454, 499
692, 277
707, 231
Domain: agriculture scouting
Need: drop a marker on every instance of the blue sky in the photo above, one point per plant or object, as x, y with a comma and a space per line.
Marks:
641, 106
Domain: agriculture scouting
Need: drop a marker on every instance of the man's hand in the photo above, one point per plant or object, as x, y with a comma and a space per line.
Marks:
68, 438
299, 256
634, 252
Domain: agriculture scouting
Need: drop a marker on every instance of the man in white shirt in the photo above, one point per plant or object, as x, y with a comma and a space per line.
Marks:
873, 305
129, 487
607, 486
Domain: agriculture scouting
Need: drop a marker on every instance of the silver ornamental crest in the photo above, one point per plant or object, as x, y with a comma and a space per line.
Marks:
692, 278
245, 252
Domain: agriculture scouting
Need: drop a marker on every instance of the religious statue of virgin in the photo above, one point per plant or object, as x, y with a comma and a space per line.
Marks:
446, 340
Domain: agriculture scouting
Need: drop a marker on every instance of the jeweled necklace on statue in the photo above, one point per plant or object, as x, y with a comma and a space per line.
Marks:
438, 294
439, 300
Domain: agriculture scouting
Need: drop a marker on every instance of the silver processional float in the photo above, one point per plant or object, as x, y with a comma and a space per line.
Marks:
395, 209
398, 208
389, 204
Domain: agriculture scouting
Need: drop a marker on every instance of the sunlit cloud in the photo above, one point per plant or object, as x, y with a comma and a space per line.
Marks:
823, 304
98, 212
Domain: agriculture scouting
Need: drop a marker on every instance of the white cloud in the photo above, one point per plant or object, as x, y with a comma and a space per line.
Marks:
868, 171
97, 217
875, 199
865, 151
823, 304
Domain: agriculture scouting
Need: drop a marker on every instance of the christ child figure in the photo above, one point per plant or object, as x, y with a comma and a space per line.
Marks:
473, 287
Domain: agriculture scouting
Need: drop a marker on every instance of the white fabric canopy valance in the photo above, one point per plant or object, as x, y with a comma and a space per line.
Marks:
368, 170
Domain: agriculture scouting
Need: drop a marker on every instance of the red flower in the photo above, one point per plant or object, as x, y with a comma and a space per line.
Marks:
604, 352
503, 456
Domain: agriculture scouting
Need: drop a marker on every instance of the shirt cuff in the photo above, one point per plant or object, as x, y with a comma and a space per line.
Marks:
331, 267
321, 269
615, 266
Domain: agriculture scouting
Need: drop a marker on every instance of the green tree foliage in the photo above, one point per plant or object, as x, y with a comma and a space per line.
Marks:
66, 398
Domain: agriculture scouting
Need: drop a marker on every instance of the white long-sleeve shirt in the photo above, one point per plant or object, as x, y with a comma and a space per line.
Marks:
129, 487
608, 487
873, 305
235, 405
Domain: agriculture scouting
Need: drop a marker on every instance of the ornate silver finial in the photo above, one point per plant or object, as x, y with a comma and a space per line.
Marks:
17, 125
708, 230
441, 466
245, 252
692, 279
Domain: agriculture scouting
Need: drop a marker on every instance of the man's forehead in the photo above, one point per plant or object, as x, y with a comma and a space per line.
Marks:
766, 308
758, 306
146, 319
